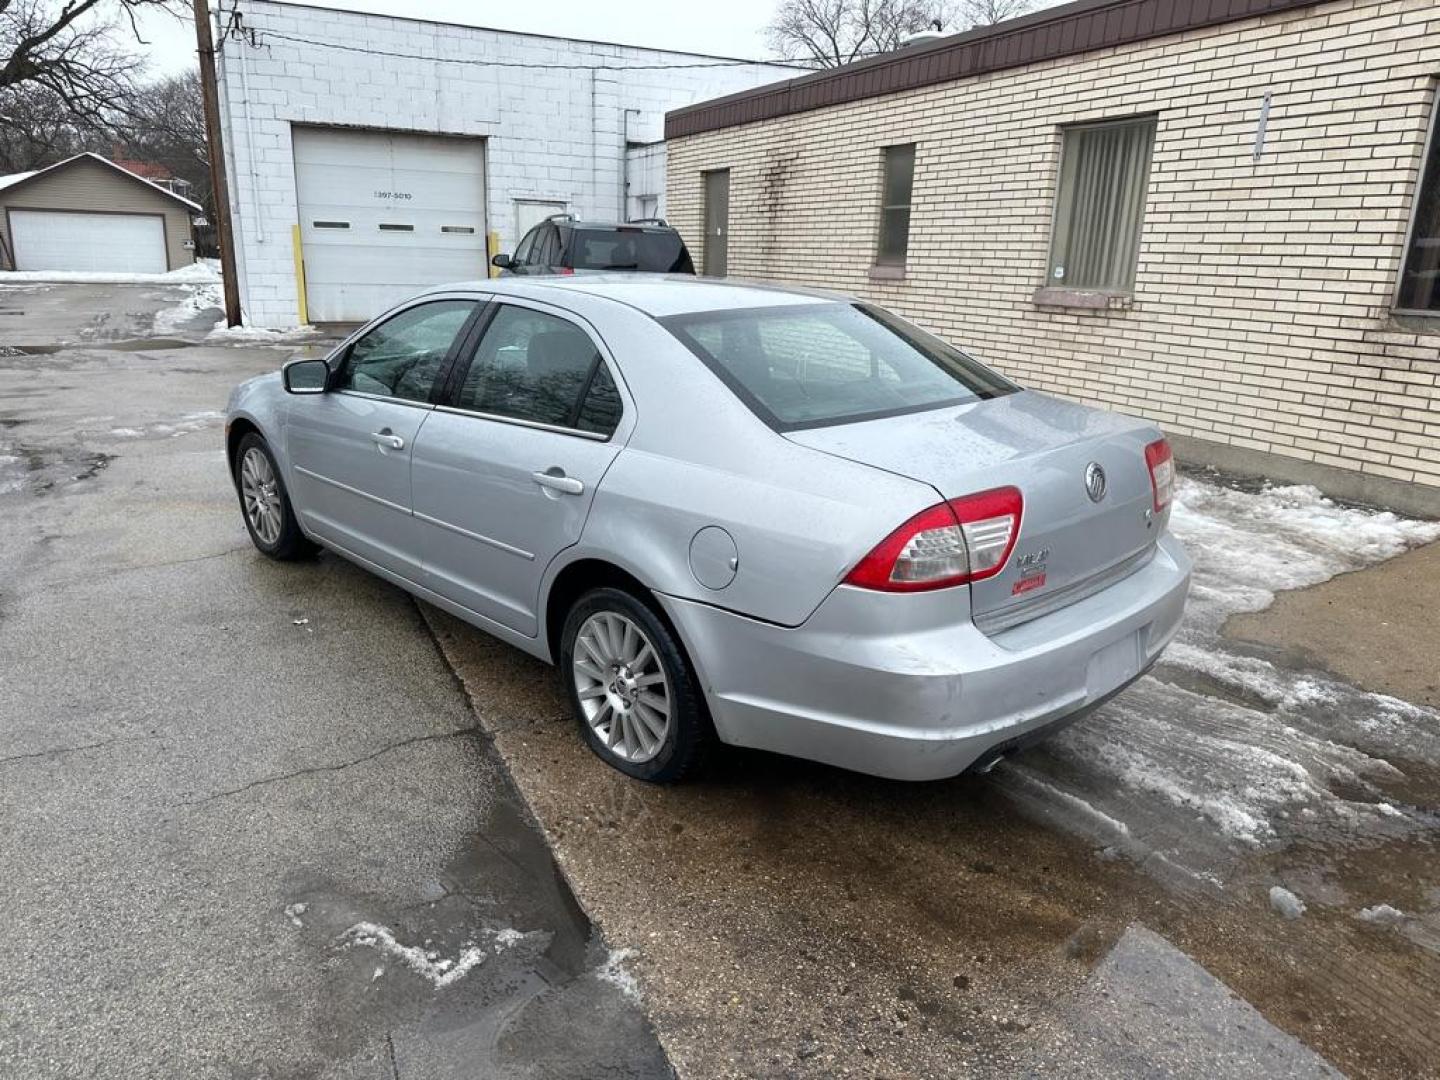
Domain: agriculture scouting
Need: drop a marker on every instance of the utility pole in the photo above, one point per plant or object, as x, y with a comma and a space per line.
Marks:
205, 43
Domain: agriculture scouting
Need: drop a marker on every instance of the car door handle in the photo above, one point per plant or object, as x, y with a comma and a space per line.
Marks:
386, 438
558, 481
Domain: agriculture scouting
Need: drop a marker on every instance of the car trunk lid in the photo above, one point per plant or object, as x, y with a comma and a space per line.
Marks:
1051, 450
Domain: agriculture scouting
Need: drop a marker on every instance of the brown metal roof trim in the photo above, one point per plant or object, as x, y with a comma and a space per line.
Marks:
1047, 35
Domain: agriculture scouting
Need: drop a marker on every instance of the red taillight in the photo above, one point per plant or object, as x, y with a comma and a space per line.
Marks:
967, 539
1162, 472
564, 270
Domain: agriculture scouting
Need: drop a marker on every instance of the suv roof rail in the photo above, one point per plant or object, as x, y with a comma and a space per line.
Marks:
561, 217
648, 221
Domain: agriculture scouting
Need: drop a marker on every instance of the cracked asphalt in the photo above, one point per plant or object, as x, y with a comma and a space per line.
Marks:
214, 767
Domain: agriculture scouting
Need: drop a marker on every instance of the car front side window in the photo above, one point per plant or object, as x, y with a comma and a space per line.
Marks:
542, 369
402, 357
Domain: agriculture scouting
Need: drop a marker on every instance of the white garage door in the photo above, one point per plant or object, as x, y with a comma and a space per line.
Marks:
384, 214
51, 240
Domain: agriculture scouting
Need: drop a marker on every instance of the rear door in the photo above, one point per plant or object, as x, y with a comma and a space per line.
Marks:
506, 467
349, 449
717, 222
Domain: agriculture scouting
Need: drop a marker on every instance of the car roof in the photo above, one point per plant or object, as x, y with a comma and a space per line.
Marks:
657, 295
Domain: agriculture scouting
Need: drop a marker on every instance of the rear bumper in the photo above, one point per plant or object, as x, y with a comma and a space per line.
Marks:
906, 687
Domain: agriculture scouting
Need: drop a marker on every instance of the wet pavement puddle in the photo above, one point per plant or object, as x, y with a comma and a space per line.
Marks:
489, 969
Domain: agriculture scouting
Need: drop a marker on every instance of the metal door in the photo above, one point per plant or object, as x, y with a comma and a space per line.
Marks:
717, 222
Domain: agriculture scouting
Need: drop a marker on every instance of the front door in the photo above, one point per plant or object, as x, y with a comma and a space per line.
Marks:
717, 222
349, 448
505, 469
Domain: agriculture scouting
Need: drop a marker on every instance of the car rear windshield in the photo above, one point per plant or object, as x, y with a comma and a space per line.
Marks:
813, 365
629, 249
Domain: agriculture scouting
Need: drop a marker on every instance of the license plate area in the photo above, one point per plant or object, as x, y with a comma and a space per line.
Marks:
1113, 665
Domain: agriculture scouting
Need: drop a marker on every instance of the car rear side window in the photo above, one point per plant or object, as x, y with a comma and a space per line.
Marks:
834, 363
542, 369
629, 249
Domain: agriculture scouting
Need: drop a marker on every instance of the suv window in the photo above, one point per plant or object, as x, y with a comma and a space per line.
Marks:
538, 367
402, 356
816, 364
526, 247
628, 248
547, 246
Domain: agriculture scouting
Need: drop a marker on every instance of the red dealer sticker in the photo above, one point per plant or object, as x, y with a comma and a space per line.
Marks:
1027, 584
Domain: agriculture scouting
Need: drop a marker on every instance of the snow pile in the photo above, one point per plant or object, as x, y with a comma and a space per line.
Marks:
199, 301
1381, 915
1249, 545
198, 273
259, 335
1286, 903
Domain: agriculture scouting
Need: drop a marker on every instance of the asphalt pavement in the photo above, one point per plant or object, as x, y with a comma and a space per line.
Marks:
248, 823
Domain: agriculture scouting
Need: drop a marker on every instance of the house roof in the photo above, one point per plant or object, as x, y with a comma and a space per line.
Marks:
17, 179
1058, 32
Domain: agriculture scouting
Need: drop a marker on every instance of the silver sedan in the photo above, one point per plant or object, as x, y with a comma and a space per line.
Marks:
731, 513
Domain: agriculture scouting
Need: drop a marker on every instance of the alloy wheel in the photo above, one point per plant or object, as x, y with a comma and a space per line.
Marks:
622, 687
260, 492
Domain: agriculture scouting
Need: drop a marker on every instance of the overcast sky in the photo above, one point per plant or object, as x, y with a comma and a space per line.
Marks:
732, 28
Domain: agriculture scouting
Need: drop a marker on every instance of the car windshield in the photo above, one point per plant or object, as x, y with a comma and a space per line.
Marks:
629, 249
812, 365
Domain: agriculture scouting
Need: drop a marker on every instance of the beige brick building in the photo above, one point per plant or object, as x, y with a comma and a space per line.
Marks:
1274, 313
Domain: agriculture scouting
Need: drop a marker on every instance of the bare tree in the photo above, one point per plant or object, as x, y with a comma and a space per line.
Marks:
166, 126
989, 12
36, 130
72, 49
829, 33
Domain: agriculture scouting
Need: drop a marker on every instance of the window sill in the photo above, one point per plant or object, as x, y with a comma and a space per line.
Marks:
1082, 299
1415, 322
887, 272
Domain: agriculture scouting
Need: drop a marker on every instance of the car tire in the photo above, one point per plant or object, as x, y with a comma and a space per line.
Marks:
265, 504
629, 660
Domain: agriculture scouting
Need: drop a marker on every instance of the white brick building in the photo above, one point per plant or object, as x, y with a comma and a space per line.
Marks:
1199, 212
397, 146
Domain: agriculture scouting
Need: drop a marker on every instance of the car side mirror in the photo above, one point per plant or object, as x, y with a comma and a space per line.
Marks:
306, 376
501, 260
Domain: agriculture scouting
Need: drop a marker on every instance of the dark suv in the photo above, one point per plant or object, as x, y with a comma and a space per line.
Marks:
562, 245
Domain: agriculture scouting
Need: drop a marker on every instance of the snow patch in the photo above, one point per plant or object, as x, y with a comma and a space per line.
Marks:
197, 273
258, 335
1381, 915
1286, 903
1259, 755
613, 971
440, 972
198, 300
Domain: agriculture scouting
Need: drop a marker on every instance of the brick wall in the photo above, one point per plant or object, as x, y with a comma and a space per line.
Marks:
551, 133
1261, 310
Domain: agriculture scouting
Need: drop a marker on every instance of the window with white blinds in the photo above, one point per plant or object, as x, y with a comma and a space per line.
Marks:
1104, 171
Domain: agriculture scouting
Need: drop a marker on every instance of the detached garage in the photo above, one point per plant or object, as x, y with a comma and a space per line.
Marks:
89, 214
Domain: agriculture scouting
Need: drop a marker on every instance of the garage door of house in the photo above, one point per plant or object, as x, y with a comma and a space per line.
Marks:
383, 214
56, 240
